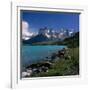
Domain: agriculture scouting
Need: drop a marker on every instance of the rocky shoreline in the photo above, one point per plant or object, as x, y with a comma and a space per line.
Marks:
44, 66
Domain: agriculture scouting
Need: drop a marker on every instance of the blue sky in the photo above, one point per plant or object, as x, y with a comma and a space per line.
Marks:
56, 21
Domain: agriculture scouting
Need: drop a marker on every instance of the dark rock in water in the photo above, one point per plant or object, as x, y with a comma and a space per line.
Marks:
47, 57
53, 56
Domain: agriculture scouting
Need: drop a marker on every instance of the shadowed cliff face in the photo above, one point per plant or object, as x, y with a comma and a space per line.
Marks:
38, 38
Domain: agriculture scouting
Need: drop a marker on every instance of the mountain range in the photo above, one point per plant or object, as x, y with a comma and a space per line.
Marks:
40, 38
35, 39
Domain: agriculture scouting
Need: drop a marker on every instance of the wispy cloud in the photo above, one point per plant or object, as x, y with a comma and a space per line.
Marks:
26, 30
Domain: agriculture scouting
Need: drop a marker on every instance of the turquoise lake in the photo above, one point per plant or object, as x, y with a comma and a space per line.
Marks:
34, 54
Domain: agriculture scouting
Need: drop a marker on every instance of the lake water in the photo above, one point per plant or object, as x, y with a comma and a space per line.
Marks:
34, 54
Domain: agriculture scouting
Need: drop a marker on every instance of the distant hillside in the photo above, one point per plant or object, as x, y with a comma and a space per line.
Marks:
72, 41
38, 38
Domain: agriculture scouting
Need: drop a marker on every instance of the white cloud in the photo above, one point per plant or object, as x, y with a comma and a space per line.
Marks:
26, 34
